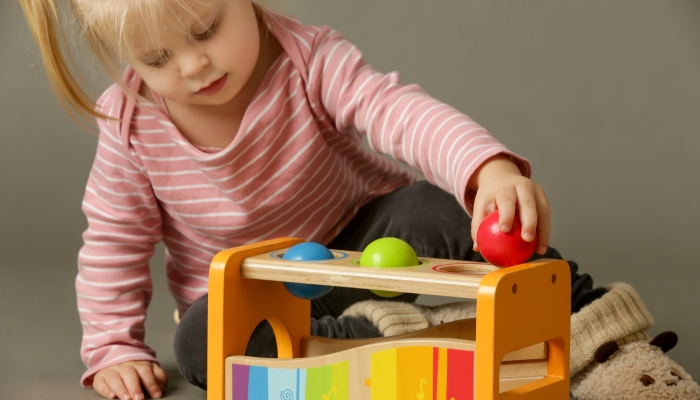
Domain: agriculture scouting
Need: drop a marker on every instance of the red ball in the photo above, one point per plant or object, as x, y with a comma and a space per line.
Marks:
503, 249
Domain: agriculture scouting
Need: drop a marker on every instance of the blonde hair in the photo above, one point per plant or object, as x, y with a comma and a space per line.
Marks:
111, 27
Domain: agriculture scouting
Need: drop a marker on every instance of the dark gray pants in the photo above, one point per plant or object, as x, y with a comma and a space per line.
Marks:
423, 215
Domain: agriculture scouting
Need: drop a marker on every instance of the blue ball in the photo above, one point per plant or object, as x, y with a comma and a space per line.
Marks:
305, 291
307, 251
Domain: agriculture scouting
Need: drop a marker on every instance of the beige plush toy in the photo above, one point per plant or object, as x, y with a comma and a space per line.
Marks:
635, 371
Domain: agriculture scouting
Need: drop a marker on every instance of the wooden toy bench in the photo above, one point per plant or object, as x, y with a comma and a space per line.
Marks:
517, 348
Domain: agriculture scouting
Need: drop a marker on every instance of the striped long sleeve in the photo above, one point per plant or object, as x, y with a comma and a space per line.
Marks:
113, 283
400, 121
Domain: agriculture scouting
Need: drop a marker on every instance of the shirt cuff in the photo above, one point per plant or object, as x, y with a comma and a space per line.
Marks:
467, 200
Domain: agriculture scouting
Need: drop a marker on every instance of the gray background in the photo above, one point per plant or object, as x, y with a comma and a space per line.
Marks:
602, 96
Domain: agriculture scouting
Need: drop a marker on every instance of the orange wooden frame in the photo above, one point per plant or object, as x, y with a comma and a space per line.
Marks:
516, 307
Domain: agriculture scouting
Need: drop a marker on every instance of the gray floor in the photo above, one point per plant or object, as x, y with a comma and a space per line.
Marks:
40, 334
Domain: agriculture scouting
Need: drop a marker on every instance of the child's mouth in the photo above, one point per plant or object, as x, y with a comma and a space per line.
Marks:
213, 87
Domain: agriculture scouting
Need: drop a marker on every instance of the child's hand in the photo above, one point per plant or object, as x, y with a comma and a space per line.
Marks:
124, 381
501, 187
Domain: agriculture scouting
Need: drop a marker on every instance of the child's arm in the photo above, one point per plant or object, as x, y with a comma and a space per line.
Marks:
449, 148
113, 284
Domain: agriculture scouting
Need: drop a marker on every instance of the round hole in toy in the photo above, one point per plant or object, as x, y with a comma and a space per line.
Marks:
388, 252
307, 251
465, 268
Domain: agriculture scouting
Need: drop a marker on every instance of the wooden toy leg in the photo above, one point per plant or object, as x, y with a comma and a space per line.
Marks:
237, 306
518, 307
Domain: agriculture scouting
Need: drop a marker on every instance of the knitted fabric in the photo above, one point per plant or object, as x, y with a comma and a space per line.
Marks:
390, 317
619, 315
396, 318
448, 312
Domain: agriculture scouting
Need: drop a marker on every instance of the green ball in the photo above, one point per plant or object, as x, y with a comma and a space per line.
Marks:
388, 252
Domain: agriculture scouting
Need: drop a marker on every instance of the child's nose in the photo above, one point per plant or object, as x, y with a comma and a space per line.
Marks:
193, 62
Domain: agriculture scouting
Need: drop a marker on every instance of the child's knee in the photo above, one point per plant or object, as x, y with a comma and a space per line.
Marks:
190, 344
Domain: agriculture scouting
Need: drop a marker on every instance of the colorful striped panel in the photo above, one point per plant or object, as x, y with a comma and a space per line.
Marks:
330, 382
440, 373
422, 373
417, 372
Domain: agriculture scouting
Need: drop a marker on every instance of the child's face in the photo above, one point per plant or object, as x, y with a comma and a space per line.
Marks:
209, 66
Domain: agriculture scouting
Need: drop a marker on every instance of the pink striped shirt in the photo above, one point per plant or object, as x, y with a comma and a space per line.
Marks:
297, 167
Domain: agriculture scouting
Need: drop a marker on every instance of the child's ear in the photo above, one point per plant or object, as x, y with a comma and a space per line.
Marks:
665, 340
605, 351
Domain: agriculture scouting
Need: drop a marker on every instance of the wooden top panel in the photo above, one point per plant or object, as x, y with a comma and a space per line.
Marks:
434, 276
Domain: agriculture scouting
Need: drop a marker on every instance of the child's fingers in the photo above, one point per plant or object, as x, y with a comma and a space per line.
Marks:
116, 385
544, 224
505, 203
148, 379
481, 210
527, 207
132, 381
161, 377
102, 388
476, 221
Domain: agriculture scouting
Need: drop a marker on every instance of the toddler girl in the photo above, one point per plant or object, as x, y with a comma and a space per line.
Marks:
233, 124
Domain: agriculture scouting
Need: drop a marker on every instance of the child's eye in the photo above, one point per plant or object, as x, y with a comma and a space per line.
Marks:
160, 62
208, 33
